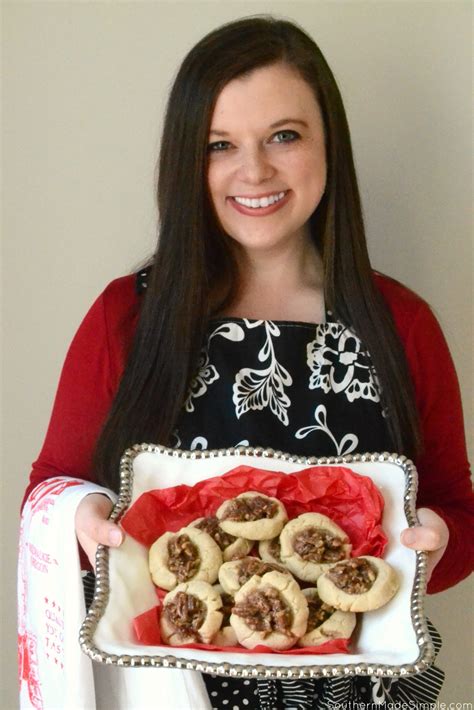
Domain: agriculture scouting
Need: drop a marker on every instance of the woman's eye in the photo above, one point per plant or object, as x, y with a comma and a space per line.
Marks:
285, 136
218, 146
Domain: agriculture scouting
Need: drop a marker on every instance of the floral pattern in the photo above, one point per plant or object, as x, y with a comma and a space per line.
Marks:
207, 373
260, 388
253, 385
339, 364
346, 445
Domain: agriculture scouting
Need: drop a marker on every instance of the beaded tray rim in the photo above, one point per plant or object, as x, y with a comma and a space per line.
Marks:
101, 593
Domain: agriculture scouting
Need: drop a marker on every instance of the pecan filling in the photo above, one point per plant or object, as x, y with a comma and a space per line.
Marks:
227, 606
319, 612
274, 548
246, 509
317, 545
212, 527
354, 576
265, 611
186, 613
254, 565
183, 557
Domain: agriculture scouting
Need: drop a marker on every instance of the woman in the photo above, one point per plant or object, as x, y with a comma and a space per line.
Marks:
261, 322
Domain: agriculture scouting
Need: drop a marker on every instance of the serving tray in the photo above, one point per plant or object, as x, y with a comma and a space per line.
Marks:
392, 641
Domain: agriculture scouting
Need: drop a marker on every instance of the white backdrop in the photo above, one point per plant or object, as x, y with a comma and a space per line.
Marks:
83, 91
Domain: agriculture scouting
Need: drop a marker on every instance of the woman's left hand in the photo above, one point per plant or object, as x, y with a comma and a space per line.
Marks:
431, 535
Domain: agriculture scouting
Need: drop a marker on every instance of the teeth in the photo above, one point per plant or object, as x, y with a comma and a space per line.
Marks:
256, 202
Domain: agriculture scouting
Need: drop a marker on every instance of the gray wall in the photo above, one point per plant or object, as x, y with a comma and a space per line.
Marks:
84, 87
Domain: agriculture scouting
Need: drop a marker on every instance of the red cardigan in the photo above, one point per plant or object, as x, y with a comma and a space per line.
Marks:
96, 359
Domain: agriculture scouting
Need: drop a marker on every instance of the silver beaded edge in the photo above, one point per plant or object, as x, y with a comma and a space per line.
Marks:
101, 594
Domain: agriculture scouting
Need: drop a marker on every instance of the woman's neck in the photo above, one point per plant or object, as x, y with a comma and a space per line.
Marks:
288, 285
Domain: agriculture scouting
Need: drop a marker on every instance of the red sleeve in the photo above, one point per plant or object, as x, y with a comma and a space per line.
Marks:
443, 468
88, 382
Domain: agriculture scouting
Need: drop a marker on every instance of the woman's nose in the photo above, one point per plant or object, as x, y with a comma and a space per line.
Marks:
255, 166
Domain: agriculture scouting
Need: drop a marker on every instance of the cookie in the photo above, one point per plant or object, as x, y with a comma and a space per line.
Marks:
270, 611
191, 614
311, 543
232, 548
253, 516
359, 584
233, 575
325, 622
189, 554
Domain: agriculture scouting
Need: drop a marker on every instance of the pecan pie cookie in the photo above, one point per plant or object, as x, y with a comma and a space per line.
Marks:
359, 584
270, 611
189, 554
253, 516
191, 614
311, 543
232, 548
233, 575
324, 621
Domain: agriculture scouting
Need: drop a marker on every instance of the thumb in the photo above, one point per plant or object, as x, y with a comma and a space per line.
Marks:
432, 533
104, 532
91, 521
110, 534
422, 538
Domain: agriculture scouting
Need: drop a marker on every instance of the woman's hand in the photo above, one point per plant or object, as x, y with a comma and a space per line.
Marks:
92, 526
431, 535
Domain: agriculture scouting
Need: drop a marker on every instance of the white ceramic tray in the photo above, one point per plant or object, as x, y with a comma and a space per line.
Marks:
392, 641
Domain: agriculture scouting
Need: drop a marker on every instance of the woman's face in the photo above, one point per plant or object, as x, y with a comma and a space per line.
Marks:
267, 161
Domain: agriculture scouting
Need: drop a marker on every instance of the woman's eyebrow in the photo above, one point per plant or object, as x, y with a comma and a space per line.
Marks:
218, 133
284, 121
277, 124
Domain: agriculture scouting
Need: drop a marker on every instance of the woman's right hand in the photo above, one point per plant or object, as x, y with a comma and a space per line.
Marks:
92, 526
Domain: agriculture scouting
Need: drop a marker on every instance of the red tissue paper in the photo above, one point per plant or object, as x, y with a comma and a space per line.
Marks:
350, 499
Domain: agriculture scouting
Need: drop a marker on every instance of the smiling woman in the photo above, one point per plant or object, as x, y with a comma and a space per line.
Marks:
258, 315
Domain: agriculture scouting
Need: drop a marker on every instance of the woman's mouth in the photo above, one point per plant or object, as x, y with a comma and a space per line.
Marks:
259, 206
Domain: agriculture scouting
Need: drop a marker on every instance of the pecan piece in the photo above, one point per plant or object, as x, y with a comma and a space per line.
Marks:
184, 557
318, 545
250, 509
186, 612
265, 610
354, 576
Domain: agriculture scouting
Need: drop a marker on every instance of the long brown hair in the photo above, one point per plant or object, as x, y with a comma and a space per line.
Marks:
193, 272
